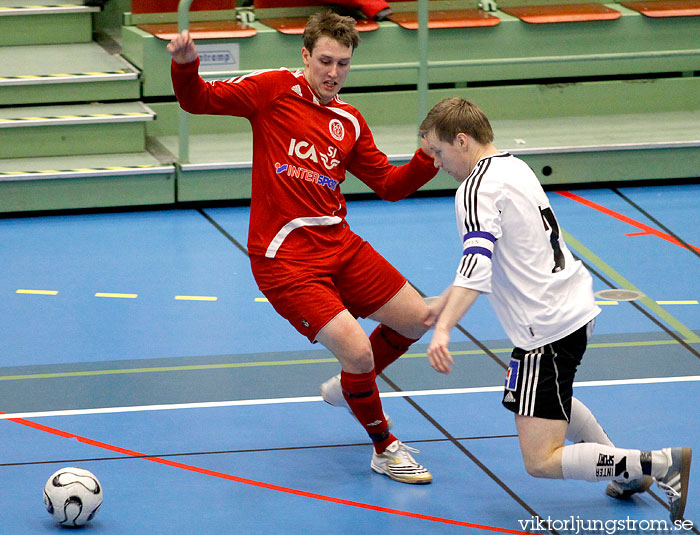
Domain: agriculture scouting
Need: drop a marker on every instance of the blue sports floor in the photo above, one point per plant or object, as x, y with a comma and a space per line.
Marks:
137, 345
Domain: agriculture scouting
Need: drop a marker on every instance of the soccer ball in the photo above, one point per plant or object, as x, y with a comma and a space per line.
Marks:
72, 496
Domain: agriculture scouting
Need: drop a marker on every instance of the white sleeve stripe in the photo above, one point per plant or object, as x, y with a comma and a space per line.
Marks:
239, 79
349, 116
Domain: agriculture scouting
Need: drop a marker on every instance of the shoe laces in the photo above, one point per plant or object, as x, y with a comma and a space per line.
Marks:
402, 451
671, 492
409, 448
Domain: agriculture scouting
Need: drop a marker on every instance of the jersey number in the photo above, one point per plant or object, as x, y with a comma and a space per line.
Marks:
550, 223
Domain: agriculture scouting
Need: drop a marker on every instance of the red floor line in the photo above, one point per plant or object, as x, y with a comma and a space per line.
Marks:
260, 484
645, 228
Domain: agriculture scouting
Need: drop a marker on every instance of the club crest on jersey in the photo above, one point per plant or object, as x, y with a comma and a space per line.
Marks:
336, 129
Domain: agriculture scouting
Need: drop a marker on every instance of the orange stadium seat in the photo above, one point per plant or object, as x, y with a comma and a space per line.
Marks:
295, 25
217, 29
666, 8
170, 6
547, 14
449, 18
453, 18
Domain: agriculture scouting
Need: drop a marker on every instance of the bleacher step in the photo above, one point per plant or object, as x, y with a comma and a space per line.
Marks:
561, 150
65, 73
661, 130
44, 22
75, 129
85, 181
546, 135
81, 166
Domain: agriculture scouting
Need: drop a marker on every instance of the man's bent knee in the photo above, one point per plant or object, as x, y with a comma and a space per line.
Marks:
405, 313
547, 467
357, 357
541, 443
536, 468
348, 342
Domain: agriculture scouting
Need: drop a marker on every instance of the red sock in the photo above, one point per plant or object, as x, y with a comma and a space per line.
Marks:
360, 391
387, 346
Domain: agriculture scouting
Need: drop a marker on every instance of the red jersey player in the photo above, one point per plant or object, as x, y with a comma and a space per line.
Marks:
313, 269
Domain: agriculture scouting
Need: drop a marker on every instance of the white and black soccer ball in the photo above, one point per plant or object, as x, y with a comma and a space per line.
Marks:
72, 496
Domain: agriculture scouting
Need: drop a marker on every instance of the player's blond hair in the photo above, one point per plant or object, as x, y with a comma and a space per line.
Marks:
453, 115
330, 24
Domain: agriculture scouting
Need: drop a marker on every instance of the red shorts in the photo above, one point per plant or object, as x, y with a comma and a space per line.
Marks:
310, 293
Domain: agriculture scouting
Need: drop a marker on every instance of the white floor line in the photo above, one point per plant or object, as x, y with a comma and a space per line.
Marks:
275, 401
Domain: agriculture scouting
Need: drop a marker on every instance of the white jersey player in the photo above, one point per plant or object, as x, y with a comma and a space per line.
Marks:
514, 253
539, 292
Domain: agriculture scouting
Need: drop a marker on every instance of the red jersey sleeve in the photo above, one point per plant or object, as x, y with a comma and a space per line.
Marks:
242, 96
390, 182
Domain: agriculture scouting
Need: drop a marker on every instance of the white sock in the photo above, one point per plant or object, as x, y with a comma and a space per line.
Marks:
583, 427
598, 462
659, 462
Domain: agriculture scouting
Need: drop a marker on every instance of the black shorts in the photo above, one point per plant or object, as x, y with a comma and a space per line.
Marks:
539, 382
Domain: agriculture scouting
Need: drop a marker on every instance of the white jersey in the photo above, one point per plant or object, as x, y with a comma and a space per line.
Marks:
514, 252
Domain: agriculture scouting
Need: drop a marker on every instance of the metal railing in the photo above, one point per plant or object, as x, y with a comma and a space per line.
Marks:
183, 23
423, 64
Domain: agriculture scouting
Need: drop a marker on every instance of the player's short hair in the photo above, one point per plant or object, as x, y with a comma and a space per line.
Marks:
453, 115
330, 24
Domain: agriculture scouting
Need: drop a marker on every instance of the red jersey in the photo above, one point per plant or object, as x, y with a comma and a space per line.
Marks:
301, 152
